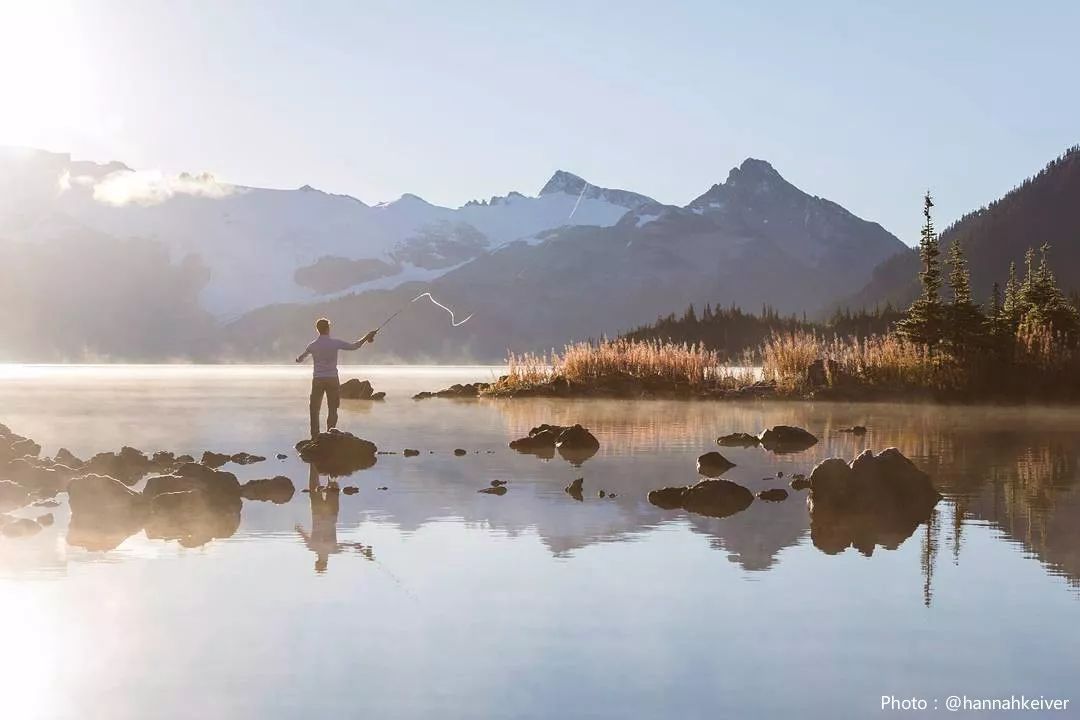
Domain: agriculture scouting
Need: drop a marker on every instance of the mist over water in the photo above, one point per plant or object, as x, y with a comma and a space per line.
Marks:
438, 600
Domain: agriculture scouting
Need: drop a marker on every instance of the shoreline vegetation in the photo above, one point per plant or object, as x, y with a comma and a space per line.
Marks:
1023, 345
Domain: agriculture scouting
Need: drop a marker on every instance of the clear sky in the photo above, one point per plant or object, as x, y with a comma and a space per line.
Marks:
865, 103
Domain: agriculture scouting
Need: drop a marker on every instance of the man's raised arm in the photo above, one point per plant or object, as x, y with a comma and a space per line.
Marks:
303, 356
370, 337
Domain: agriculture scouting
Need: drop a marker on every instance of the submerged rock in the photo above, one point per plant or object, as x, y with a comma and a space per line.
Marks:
278, 490
713, 464
337, 453
875, 500
494, 490
576, 489
854, 430
786, 439
739, 439
773, 495
244, 458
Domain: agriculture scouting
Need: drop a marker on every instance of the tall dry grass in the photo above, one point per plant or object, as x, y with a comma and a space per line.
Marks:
591, 364
1036, 365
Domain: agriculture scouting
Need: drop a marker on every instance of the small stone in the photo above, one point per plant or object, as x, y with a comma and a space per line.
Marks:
601, 494
281, 456
773, 495
575, 489
409, 452
611, 495
350, 490
460, 452
498, 490
497, 483
47, 503
383, 487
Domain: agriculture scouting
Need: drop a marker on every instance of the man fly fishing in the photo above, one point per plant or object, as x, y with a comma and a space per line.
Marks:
324, 381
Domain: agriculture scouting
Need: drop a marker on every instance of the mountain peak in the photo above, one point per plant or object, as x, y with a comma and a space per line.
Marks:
564, 182
754, 171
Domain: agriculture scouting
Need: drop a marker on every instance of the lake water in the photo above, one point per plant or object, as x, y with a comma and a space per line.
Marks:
438, 601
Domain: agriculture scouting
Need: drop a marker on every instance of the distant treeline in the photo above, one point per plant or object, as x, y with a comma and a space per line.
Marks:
732, 330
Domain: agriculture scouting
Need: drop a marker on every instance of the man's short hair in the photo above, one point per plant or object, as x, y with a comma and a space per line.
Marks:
323, 326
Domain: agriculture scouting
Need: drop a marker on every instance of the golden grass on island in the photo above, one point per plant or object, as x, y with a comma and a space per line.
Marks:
590, 364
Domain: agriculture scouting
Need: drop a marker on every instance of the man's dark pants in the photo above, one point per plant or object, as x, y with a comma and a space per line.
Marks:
330, 387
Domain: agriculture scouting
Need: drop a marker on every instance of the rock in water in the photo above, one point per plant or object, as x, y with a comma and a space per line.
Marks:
244, 458
669, 498
497, 483
875, 500
576, 444
713, 464
281, 456
739, 439
854, 430
495, 490
460, 452
378, 397
21, 527
337, 453
773, 495
576, 489
66, 457
350, 490
128, 466
410, 452
214, 459
715, 498
356, 390
799, 482
278, 490
541, 444
45, 520
786, 439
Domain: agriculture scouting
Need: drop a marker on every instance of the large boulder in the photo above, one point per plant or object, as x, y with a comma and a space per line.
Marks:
876, 500
540, 442
217, 483
68, 458
13, 445
713, 464
715, 498
40, 476
786, 439
337, 453
214, 460
278, 489
468, 390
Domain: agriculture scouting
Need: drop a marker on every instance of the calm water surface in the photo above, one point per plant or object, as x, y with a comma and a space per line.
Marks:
437, 601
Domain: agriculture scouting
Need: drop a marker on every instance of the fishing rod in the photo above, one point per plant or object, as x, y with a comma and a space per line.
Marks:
454, 322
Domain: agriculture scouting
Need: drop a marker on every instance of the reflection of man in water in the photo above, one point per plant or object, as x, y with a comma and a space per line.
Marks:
324, 381
322, 540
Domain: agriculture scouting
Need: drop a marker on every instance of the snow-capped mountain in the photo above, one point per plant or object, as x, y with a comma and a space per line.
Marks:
266, 246
103, 260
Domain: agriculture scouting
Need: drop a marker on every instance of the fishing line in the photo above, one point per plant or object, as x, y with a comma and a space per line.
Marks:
454, 322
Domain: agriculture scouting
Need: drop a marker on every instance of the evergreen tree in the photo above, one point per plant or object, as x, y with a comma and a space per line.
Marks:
964, 318
924, 320
1041, 302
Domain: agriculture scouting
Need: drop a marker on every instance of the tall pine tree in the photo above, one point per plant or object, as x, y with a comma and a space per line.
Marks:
964, 319
924, 321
